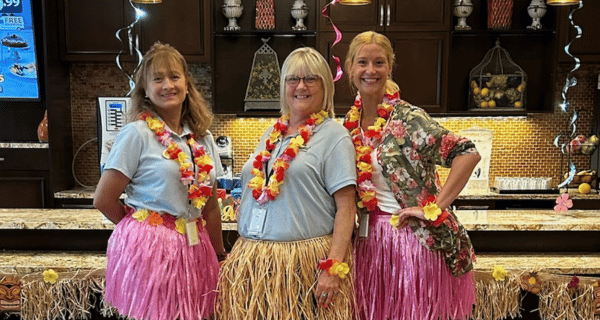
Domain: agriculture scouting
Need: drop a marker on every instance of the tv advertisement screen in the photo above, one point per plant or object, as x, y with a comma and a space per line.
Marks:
18, 62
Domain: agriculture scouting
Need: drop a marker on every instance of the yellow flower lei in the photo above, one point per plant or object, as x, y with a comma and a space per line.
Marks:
264, 194
364, 163
199, 190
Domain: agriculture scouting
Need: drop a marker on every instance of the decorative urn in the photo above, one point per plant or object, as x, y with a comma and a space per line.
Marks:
299, 12
232, 9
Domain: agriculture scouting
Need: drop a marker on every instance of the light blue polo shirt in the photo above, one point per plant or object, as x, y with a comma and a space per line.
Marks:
305, 207
155, 181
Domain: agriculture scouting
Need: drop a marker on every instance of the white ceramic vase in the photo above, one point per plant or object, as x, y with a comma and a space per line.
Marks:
232, 9
299, 12
462, 9
536, 10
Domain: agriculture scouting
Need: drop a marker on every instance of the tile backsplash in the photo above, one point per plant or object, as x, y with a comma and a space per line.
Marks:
522, 146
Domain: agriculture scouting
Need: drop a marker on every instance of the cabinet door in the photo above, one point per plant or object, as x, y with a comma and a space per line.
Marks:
420, 71
353, 18
422, 15
88, 29
586, 48
23, 190
422, 68
184, 24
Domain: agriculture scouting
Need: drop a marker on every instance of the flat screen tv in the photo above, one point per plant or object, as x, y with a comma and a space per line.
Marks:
18, 60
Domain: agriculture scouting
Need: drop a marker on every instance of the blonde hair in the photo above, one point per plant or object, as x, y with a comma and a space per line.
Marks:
308, 61
195, 111
370, 37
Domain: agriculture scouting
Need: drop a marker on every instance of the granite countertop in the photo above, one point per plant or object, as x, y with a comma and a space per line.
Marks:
489, 220
25, 145
88, 193
20, 262
66, 219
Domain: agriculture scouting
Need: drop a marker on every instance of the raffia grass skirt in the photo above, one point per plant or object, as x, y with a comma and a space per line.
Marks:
269, 280
153, 274
397, 278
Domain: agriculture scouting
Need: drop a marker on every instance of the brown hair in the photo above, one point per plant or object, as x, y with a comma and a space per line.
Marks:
195, 111
369, 37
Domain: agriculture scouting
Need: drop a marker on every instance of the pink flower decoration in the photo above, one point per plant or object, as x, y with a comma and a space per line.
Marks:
563, 203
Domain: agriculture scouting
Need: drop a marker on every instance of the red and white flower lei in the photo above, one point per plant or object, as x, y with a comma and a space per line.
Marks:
199, 190
264, 194
364, 145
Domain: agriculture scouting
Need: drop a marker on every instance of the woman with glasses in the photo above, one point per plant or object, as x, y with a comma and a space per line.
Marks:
413, 258
296, 216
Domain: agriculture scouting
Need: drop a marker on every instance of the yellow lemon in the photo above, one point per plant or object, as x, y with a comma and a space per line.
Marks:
585, 188
518, 104
484, 104
484, 92
492, 104
476, 91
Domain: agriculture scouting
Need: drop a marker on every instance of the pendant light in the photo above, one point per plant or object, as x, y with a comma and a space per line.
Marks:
147, 1
355, 2
561, 2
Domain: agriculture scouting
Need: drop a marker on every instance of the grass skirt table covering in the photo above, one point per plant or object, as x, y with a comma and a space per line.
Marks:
153, 274
271, 280
398, 278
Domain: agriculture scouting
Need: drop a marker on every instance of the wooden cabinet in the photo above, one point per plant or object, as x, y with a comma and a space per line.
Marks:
420, 72
88, 28
535, 51
389, 15
29, 176
434, 61
586, 48
419, 32
24, 182
234, 52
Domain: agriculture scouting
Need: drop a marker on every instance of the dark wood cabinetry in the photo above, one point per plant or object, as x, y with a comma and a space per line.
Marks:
24, 182
419, 32
434, 61
535, 51
88, 28
234, 52
586, 48
29, 176
421, 70
389, 16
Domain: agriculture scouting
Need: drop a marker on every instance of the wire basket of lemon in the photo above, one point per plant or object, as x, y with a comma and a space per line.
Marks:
497, 83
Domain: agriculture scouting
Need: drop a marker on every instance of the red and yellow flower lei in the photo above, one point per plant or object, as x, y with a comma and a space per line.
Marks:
264, 194
199, 190
364, 145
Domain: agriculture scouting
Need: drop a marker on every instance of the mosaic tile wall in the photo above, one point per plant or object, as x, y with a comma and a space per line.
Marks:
522, 146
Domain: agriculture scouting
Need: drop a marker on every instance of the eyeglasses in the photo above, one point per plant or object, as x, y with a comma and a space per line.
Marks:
309, 80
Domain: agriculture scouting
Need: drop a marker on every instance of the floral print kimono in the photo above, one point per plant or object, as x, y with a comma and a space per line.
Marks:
412, 145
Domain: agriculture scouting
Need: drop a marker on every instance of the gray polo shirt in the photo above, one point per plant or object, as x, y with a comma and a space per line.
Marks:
155, 181
305, 207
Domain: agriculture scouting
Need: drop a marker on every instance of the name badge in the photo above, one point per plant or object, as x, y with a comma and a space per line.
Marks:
257, 222
363, 227
191, 230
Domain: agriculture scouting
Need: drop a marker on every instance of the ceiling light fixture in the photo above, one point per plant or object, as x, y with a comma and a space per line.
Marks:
147, 1
355, 2
561, 2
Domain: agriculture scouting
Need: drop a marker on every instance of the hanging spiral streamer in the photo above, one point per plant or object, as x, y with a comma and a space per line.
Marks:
570, 82
133, 47
338, 38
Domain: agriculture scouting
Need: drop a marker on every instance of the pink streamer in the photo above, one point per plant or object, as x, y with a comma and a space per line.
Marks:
338, 38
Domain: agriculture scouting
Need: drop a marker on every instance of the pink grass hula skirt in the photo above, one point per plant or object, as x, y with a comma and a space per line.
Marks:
153, 274
397, 278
